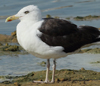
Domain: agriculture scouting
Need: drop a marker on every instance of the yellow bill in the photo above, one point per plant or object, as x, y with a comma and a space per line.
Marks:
11, 18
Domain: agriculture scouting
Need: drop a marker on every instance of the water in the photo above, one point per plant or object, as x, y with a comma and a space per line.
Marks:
23, 64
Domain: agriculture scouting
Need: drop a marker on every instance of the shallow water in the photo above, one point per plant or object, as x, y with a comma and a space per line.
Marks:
23, 64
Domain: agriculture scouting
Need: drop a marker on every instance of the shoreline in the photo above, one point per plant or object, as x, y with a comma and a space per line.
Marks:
64, 77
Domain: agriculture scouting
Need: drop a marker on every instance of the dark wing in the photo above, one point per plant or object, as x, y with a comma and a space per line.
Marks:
56, 32
57, 27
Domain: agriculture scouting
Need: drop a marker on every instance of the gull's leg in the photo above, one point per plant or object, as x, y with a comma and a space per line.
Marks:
47, 73
53, 71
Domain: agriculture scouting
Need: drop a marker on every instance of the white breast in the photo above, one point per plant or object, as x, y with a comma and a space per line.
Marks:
28, 38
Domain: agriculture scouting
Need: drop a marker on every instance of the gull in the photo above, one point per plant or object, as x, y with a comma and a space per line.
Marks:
48, 38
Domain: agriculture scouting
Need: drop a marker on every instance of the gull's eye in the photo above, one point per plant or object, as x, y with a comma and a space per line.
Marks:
26, 12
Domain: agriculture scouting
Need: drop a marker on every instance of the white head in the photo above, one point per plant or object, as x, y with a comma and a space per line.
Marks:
28, 13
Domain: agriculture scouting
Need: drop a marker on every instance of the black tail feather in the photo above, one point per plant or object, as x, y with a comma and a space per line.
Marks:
97, 40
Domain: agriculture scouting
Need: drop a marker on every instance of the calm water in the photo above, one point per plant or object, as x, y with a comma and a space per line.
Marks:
22, 64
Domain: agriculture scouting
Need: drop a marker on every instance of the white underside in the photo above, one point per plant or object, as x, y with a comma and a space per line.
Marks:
28, 37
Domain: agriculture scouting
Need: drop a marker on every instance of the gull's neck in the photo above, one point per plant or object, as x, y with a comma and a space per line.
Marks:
31, 20
29, 23
24, 25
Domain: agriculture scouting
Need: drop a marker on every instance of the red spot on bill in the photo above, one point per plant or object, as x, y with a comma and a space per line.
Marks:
9, 20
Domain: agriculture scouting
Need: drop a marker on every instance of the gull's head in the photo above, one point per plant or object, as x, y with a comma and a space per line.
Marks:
28, 13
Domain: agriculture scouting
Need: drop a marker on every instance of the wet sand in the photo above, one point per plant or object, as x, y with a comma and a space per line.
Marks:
64, 77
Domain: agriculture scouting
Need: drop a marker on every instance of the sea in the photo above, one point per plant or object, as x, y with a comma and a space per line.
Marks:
23, 64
